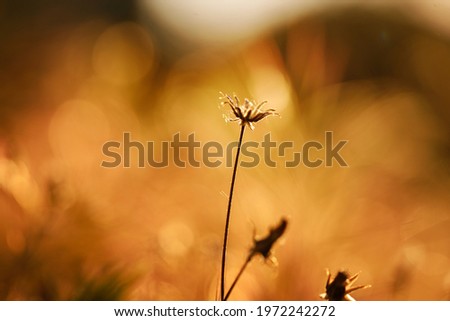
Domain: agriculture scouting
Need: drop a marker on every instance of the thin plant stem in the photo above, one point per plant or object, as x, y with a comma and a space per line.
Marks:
247, 261
227, 221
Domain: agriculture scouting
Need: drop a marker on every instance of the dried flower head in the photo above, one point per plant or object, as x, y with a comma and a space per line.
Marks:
248, 113
264, 246
340, 288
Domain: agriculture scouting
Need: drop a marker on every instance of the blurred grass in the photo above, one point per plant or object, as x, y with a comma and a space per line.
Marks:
75, 76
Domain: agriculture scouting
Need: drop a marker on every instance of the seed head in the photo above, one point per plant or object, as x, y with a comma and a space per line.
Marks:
340, 288
264, 246
248, 113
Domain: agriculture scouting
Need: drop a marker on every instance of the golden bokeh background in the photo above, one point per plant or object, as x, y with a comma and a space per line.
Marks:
75, 75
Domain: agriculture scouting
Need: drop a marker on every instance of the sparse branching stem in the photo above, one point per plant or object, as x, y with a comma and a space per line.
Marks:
227, 221
247, 261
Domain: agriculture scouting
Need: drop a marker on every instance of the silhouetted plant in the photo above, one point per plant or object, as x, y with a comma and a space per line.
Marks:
247, 113
340, 287
262, 247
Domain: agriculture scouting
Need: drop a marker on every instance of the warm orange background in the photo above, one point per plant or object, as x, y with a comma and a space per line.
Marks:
73, 76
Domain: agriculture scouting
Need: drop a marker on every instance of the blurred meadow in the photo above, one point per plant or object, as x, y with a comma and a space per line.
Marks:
76, 74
